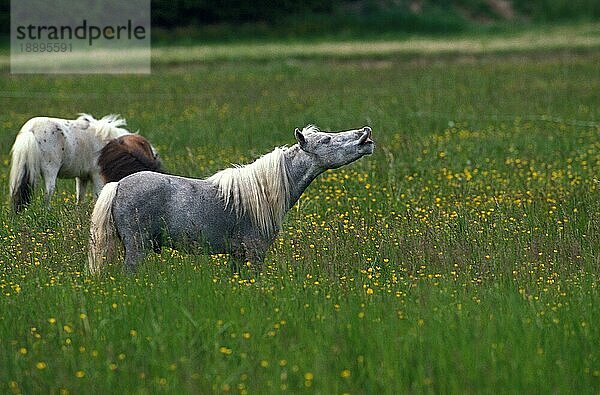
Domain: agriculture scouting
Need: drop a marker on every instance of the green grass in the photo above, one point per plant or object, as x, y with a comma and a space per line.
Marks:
510, 39
460, 257
581, 37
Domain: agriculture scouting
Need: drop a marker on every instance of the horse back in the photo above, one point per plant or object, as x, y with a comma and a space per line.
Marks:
171, 208
49, 133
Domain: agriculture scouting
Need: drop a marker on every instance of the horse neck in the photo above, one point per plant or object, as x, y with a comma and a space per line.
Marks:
302, 170
99, 138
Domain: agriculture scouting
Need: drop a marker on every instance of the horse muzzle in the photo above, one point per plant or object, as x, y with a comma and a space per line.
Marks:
365, 143
365, 139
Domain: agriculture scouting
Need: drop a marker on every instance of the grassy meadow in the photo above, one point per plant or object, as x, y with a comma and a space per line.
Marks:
462, 257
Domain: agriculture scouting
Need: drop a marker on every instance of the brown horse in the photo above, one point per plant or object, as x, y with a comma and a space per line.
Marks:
127, 155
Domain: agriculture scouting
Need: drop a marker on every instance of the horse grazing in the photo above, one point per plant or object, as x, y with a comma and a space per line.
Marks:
126, 155
237, 211
54, 147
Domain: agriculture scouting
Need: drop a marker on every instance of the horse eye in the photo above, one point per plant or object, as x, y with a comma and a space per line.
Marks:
325, 140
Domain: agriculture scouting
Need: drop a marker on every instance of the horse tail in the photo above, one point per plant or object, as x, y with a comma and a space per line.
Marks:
102, 231
24, 170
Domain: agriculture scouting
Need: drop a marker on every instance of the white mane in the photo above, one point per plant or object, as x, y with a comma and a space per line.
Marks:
260, 189
310, 129
108, 127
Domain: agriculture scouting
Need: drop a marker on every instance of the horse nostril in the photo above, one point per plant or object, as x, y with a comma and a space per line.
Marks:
367, 130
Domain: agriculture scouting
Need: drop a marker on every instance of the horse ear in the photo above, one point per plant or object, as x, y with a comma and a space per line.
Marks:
299, 137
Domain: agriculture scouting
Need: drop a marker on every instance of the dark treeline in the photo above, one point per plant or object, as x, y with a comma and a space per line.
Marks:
231, 19
314, 17
172, 13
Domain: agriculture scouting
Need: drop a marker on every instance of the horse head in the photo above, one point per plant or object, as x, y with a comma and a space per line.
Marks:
332, 150
135, 143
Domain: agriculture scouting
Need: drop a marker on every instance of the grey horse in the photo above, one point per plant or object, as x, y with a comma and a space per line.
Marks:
236, 211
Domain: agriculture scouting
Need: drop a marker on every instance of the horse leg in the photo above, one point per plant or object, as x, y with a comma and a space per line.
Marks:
256, 258
49, 175
80, 186
249, 255
98, 184
134, 253
237, 261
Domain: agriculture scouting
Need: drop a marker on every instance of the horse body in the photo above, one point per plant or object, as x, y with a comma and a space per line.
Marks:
53, 147
237, 211
170, 211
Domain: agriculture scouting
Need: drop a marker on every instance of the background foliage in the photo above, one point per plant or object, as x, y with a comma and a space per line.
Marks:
232, 19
